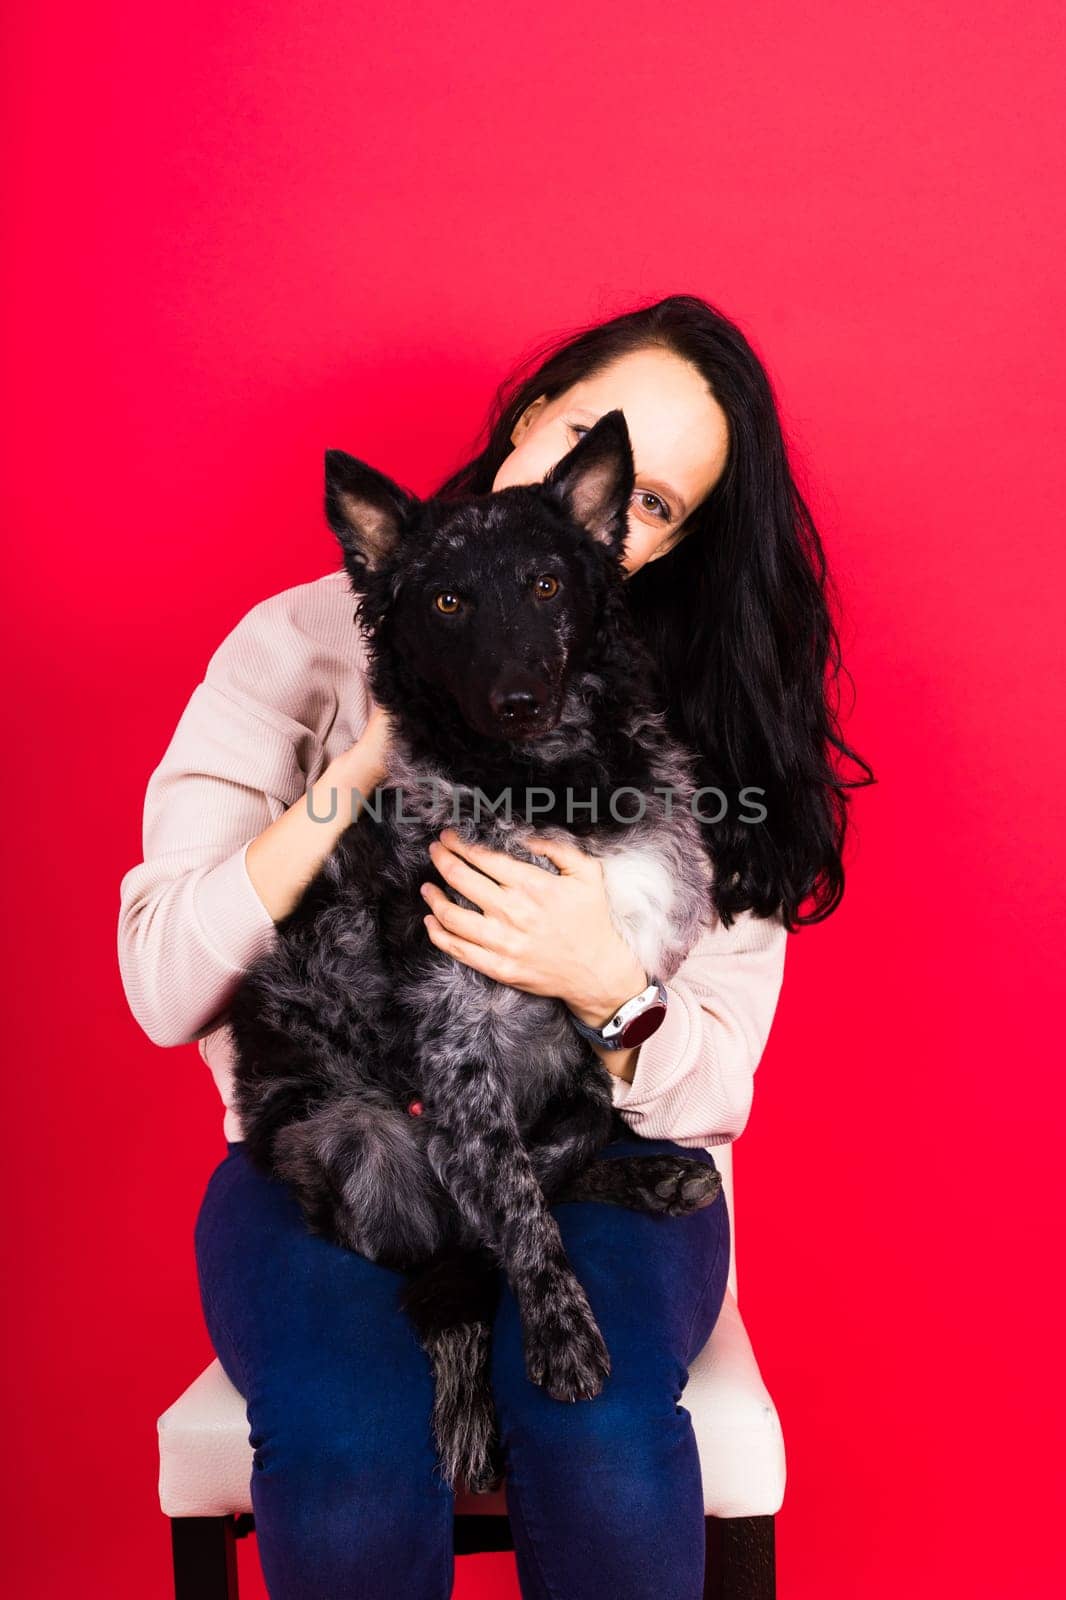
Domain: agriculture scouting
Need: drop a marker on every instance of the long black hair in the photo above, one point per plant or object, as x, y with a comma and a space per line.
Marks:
737, 617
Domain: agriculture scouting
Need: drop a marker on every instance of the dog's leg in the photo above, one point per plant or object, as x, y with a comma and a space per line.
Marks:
300, 1024
451, 1301
566, 1138
479, 1157
571, 1129
564, 1143
672, 1186
363, 1180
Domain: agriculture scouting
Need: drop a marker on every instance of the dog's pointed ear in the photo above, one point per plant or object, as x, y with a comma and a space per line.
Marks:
595, 480
366, 510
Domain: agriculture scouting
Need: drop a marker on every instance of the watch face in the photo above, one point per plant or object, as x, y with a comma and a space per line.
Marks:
643, 1026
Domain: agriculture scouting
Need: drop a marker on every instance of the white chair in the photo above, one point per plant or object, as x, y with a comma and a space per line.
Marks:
205, 1467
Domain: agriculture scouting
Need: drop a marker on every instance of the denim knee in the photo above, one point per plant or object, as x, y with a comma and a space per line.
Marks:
623, 1422
313, 1428
347, 1503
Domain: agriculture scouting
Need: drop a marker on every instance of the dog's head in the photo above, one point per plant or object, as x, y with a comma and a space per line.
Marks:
484, 608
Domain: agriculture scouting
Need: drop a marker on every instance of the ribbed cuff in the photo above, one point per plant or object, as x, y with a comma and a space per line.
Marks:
234, 922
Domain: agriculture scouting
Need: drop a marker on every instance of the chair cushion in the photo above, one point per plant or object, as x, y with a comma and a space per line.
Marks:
205, 1459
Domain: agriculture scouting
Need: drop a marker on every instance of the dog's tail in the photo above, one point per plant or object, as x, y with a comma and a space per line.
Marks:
464, 1416
451, 1300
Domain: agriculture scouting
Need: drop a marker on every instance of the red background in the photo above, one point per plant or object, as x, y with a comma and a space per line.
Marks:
243, 235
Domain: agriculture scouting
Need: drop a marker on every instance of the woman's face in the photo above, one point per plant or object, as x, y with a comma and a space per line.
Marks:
679, 434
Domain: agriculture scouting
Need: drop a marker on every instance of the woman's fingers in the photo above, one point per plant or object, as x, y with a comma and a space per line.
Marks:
501, 967
568, 857
508, 872
470, 881
473, 926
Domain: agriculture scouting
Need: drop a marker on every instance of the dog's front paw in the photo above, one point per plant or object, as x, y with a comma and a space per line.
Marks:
564, 1349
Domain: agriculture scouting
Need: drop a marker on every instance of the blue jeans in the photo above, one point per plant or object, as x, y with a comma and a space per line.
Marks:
605, 1495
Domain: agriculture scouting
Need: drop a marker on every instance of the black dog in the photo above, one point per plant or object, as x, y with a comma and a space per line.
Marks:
499, 643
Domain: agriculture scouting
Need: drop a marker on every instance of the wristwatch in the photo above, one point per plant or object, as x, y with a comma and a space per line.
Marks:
632, 1023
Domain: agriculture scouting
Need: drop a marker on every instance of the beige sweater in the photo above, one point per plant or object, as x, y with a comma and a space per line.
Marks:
282, 695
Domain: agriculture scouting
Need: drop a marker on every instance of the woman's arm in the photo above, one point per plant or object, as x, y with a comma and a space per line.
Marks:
282, 860
228, 842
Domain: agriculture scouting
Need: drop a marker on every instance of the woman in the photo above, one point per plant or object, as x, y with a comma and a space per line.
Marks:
726, 577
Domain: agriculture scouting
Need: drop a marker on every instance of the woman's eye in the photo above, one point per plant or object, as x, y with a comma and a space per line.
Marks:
447, 602
546, 587
659, 508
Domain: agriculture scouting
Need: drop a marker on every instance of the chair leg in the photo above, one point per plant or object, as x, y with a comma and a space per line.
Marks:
205, 1557
475, 1534
741, 1563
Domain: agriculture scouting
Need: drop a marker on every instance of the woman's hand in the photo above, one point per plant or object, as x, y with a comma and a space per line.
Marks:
373, 742
536, 931
283, 858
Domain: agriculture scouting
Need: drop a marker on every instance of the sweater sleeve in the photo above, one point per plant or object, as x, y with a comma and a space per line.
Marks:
693, 1080
190, 921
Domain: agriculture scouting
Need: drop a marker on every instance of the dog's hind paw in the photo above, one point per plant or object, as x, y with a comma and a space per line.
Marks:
671, 1186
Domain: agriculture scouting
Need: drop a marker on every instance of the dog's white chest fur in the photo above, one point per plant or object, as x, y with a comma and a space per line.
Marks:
641, 894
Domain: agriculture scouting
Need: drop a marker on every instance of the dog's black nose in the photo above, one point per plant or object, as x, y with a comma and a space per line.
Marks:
514, 704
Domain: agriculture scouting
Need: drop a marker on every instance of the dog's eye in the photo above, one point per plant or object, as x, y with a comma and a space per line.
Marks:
447, 602
545, 587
